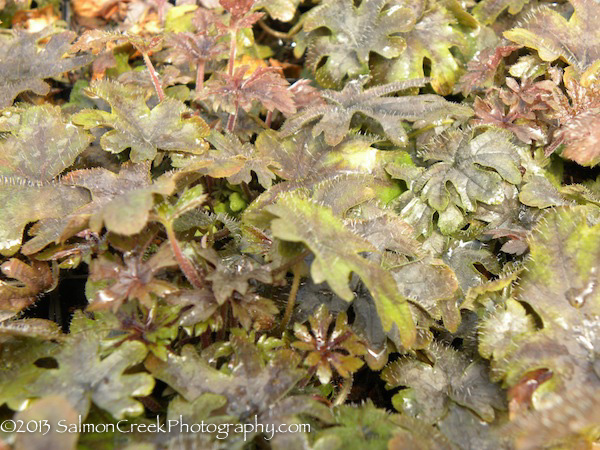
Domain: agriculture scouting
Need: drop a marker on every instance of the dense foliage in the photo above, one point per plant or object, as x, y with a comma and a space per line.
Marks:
380, 218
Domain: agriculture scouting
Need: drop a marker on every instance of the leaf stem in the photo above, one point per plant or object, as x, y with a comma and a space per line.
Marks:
289, 309
233, 118
154, 77
269, 119
232, 50
280, 34
186, 266
344, 392
200, 76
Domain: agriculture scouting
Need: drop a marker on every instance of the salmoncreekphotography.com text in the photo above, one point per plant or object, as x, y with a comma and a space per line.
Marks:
219, 430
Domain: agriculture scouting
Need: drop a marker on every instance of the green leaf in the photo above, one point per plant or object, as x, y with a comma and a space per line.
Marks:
140, 128
250, 385
464, 257
464, 170
19, 371
341, 177
389, 112
487, 11
577, 40
560, 284
83, 376
283, 10
121, 202
434, 37
24, 64
31, 156
303, 156
449, 377
366, 426
502, 328
538, 191
354, 32
337, 254
432, 286
230, 159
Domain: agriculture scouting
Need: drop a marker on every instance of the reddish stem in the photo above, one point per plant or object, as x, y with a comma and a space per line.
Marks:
200, 76
269, 119
154, 77
232, 50
233, 118
185, 264
161, 11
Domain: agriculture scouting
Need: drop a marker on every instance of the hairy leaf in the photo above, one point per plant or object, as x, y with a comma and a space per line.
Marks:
448, 377
302, 156
337, 254
576, 40
196, 48
31, 156
353, 32
240, 15
560, 283
121, 202
486, 11
130, 279
230, 159
251, 386
265, 85
365, 426
578, 114
483, 67
138, 127
341, 177
340, 350
34, 279
389, 112
41, 329
24, 66
83, 376
464, 170
432, 37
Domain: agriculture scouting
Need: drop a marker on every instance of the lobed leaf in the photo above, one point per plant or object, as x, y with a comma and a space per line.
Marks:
577, 40
337, 254
389, 112
31, 156
449, 377
433, 38
465, 170
136, 126
83, 376
487, 11
24, 66
354, 32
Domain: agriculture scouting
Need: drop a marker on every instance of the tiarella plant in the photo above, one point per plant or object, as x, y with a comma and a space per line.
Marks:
377, 219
